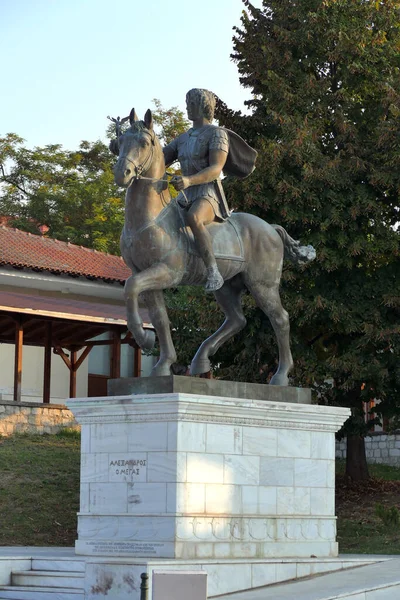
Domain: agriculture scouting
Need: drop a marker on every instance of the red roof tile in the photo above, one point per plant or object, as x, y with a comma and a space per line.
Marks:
25, 250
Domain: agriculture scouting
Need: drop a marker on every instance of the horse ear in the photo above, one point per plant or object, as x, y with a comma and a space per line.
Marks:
148, 119
133, 117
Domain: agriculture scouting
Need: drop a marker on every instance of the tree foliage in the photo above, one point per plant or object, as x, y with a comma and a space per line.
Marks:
72, 192
170, 122
325, 100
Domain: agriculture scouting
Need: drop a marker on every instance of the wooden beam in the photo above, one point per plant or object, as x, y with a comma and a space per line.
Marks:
19, 340
107, 342
115, 367
33, 325
37, 312
72, 375
128, 337
137, 365
74, 334
47, 362
8, 330
83, 356
64, 327
58, 350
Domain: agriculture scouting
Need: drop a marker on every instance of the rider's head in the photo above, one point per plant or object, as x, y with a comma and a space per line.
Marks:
204, 99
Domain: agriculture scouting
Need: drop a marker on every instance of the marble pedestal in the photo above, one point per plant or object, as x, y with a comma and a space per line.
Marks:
201, 477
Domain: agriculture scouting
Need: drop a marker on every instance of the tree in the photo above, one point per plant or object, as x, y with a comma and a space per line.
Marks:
170, 122
72, 192
325, 101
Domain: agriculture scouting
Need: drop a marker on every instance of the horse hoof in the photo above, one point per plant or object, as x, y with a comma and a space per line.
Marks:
279, 379
145, 338
200, 366
148, 340
161, 370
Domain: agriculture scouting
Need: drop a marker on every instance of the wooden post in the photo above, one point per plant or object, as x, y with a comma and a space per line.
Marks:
19, 339
72, 363
115, 367
47, 363
72, 374
137, 366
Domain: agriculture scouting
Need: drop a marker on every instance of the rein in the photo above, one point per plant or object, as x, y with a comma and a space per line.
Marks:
144, 166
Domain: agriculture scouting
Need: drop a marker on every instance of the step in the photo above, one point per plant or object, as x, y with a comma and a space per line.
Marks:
39, 593
56, 579
58, 564
380, 581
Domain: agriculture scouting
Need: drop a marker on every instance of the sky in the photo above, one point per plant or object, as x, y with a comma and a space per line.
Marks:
67, 64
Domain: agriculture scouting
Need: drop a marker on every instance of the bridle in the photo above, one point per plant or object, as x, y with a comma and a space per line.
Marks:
145, 164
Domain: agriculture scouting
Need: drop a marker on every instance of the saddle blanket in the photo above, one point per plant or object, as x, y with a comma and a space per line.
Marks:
226, 241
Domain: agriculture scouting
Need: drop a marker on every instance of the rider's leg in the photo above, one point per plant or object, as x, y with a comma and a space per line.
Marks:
201, 214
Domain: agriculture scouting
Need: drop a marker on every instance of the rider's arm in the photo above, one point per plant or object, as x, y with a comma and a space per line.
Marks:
170, 153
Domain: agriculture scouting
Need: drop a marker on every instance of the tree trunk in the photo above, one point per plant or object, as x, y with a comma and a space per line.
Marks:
356, 460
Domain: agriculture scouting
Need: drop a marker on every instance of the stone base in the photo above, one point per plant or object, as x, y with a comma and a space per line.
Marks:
176, 384
121, 577
188, 476
210, 537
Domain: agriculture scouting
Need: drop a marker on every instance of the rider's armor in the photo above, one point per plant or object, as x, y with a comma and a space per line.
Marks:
192, 150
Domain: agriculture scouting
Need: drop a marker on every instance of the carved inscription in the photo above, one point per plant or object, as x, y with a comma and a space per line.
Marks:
127, 468
125, 548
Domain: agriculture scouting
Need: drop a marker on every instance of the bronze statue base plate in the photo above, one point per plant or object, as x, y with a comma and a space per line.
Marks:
207, 387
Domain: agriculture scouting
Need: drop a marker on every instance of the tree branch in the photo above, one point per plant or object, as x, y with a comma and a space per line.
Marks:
5, 178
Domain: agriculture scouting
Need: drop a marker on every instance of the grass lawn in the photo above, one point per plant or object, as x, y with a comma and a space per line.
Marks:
39, 489
39, 497
360, 530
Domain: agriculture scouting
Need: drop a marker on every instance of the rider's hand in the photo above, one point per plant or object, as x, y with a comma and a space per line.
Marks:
180, 183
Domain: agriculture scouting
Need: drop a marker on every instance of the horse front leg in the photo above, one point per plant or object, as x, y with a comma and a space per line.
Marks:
145, 338
155, 304
156, 278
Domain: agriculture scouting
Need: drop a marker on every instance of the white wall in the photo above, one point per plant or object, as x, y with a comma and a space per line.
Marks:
32, 375
98, 363
99, 359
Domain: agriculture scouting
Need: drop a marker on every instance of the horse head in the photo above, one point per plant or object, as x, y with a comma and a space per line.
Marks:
136, 149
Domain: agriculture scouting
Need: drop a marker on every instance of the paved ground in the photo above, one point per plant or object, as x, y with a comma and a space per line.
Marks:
24, 551
381, 580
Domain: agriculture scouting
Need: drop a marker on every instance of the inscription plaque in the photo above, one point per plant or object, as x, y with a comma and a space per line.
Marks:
130, 468
138, 549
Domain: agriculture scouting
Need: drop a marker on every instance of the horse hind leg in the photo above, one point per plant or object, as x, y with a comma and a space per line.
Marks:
268, 299
155, 304
229, 300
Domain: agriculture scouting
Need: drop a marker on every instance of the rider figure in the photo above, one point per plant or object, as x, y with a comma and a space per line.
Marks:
202, 152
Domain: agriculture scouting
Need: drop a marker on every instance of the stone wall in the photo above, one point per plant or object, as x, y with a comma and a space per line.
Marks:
379, 447
29, 417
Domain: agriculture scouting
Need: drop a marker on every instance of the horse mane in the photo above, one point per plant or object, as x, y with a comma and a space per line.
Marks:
137, 126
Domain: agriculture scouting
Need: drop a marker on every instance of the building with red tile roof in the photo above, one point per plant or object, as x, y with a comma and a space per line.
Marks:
24, 250
67, 300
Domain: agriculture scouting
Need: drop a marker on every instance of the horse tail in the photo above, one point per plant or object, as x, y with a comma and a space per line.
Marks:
294, 251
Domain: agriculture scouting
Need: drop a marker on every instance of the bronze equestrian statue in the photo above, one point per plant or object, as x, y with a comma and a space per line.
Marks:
194, 240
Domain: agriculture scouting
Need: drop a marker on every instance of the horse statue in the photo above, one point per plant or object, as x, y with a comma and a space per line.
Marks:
158, 248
